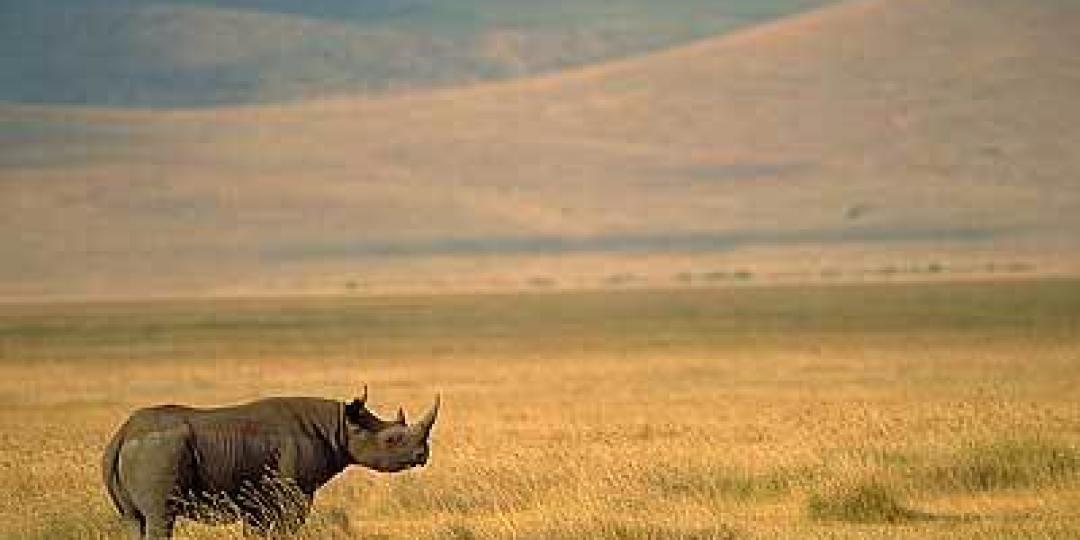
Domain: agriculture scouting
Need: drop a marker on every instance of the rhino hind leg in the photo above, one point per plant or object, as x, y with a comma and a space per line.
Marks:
153, 470
160, 527
133, 524
129, 516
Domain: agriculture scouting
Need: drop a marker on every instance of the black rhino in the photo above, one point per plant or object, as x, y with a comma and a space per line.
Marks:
170, 461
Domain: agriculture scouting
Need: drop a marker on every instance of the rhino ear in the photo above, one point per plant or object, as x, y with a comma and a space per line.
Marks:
357, 414
352, 411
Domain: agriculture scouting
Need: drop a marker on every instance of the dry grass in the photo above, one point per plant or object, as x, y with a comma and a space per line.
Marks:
835, 413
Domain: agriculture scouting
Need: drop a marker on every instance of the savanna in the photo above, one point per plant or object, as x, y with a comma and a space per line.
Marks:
854, 411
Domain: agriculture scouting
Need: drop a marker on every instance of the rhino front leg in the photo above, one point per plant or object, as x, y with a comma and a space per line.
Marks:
289, 503
281, 513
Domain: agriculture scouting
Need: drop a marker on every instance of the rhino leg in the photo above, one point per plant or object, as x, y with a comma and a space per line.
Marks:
154, 469
134, 526
279, 515
129, 515
159, 527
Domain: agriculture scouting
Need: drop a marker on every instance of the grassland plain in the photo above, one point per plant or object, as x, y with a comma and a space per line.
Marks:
870, 411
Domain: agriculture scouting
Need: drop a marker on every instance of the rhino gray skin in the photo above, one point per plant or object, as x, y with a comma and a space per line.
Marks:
168, 461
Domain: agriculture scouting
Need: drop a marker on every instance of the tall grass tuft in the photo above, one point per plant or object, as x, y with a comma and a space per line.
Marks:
630, 530
866, 502
1007, 464
717, 482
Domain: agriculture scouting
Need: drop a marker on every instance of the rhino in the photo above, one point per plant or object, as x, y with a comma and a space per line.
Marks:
260, 462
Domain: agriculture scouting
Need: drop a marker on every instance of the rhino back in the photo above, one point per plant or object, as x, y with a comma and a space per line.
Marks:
225, 448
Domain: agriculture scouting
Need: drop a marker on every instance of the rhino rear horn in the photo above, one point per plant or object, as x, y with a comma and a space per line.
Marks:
425, 424
401, 416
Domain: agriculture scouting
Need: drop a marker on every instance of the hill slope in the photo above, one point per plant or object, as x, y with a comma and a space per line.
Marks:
870, 135
206, 52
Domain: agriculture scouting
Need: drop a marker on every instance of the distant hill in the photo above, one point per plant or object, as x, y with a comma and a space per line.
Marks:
870, 140
206, 52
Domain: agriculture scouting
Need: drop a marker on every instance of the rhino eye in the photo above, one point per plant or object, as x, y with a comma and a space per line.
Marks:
395, 440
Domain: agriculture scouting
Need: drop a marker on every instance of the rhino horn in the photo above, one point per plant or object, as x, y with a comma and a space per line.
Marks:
425, 424
401, 416
363, 396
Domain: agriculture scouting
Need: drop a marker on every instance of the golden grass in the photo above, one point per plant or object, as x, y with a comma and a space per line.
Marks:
968, 428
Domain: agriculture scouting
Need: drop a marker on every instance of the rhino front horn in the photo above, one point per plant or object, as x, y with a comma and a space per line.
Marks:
425, 424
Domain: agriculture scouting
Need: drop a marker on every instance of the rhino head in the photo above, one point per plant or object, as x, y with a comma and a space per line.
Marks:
386, 446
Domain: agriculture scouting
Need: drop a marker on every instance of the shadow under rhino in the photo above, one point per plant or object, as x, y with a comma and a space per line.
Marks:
259, 462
